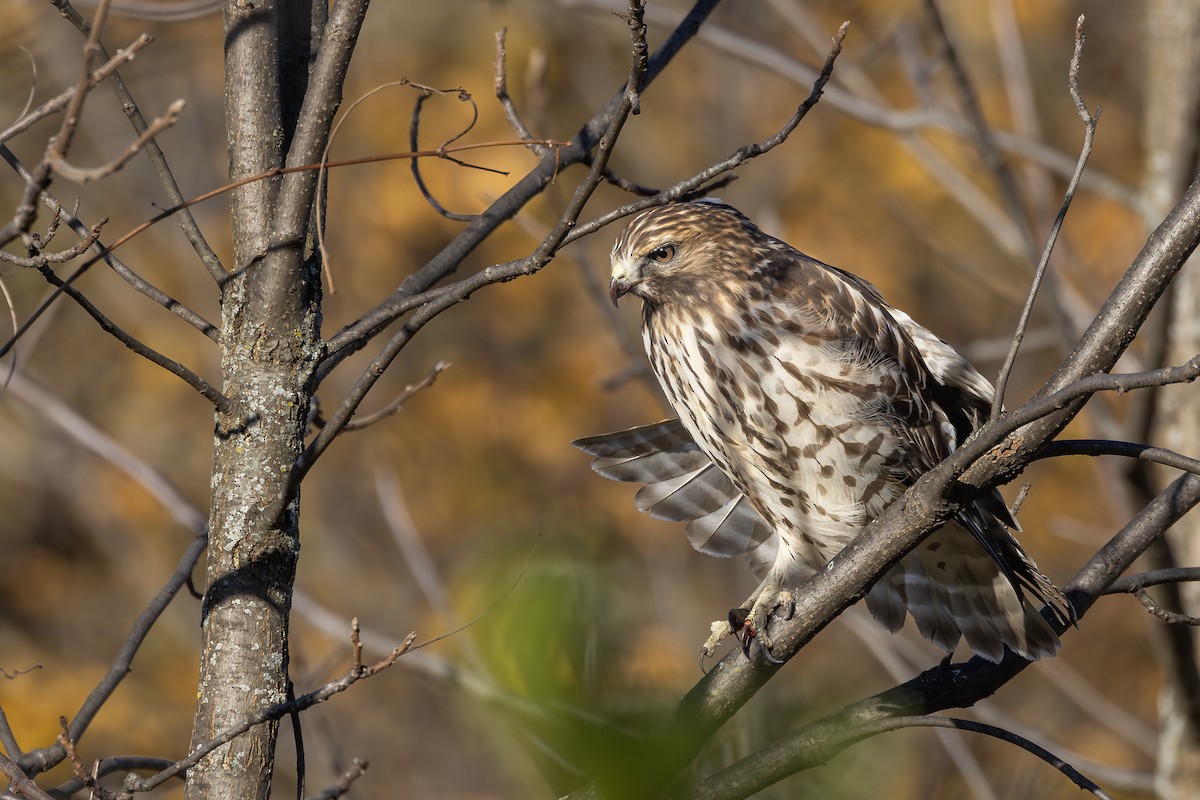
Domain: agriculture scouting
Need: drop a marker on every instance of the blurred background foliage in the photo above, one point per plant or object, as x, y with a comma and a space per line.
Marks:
592, 614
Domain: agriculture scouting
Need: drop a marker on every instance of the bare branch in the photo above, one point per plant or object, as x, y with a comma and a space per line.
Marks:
414, 127
40, 259
26, 121
80, 175
540, 258
207, 390
358, 768
271, 713
38, 761
1105, 447
807, 749
366, 420
21, 782
355, 336
105, 253
506, 101
1089, 131
1131, 583
107, 766
1170, 617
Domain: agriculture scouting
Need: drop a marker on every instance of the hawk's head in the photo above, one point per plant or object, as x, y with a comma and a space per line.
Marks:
682, 249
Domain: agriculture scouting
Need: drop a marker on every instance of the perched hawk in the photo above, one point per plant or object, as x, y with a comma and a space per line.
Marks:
806, 406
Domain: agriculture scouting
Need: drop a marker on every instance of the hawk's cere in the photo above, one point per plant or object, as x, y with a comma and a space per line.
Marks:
807, 405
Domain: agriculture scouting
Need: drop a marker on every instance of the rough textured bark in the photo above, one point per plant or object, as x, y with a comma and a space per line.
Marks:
269, 346
1172, 87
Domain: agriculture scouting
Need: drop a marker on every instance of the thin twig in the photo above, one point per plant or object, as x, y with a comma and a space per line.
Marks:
1129, 584
271, 713
27, 120
40, 259
542, 256
506, 102
1170, 617
157, 126
366, 420
116, 264
20, 782
41, 760
414, 128
358, 768
359, 333
1089, 131
206, 389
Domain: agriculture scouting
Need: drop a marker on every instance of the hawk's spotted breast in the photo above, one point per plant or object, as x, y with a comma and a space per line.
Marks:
806, 406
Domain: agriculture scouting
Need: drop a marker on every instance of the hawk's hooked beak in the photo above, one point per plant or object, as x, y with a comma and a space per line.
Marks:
624, 278
617, 288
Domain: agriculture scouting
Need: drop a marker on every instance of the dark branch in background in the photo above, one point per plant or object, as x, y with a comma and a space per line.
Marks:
1089, 131
356, 336
811, 748
1104, 447
536, 261
46, 758
277, 711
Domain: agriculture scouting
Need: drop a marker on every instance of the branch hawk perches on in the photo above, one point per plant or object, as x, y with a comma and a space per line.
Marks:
806, 406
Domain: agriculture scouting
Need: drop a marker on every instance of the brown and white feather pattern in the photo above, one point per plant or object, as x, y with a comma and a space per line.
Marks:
806, 406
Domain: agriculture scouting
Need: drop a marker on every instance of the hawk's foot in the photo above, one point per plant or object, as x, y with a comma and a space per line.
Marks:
750, 622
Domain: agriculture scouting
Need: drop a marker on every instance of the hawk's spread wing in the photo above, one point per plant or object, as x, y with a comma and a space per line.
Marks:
681, 484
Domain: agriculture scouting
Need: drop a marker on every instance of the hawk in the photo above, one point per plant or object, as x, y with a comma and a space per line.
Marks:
806, 405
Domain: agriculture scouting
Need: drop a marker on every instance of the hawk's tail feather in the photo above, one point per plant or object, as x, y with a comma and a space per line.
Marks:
955, 590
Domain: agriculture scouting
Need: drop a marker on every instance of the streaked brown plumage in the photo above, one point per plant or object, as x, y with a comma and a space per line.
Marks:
806, 406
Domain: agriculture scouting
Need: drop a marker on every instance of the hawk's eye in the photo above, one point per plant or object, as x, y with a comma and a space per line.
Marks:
663, 254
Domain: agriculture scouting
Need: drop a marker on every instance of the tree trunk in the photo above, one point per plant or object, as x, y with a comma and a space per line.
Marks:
270, 341
1172, 89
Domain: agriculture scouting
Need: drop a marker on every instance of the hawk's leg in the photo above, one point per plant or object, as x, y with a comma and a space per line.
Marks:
751, 619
